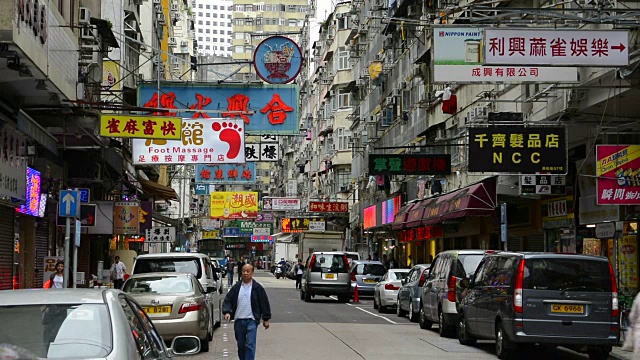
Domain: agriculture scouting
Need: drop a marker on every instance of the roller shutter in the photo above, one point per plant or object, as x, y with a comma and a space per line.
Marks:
534, 243
7, 217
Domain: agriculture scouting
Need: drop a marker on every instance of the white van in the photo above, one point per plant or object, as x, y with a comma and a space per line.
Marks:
352, 256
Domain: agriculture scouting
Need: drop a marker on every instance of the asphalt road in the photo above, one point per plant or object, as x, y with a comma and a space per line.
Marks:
325, 329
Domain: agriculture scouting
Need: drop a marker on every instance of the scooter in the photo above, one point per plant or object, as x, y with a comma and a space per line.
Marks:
278, 272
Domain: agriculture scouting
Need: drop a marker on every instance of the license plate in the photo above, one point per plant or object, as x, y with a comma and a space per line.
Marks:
329, 276
152, 310
567, 309
370, 281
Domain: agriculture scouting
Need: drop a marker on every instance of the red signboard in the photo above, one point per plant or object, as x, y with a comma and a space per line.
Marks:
331, 206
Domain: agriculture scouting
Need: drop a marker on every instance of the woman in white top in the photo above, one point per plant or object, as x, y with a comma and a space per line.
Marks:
57, 278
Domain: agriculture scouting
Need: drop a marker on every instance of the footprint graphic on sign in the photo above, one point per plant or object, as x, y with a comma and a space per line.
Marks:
230, 133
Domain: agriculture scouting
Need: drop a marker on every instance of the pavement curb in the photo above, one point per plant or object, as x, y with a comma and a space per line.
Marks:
619, 354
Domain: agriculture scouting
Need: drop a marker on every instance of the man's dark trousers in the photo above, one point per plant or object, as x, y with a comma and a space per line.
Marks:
246, 331
298, 281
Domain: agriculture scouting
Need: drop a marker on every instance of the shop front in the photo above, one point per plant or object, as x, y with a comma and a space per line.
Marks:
558, 222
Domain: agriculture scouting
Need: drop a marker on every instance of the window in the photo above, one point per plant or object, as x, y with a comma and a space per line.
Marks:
239, 49
208, 6
159, 285
214, 7
239, 22
214, 15
229, 16
207, 15
169, 264
215, 39
144, 343
208, 22
229, 41
329, 263
229, 32
247, 49
342, 23
249, 21
229, 25
259, 7
214, 31
215, 23
566, 275
238, 35
207, 47
208, 31
248, 8
293, 22
370, 269
200, 31
199, 22
228, 48
344, 98
239, 7
199, 13
230, 7
343, 58
209, 39
200, 6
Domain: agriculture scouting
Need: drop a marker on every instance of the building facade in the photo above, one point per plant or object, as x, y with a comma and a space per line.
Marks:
214, 28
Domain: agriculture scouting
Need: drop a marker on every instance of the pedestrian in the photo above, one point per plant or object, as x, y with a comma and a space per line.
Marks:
56, 280
240, 264
392, 263
632, 336
247, 303
118, 270
375, 257
385, 261
299, 270
230, 265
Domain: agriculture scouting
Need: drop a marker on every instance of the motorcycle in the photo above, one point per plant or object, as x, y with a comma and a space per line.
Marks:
278, 272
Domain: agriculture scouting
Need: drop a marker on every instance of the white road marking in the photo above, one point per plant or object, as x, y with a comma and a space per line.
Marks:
368, 312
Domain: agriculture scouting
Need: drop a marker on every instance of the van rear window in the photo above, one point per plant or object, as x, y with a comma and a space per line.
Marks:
329, 263
181, 265
567, 275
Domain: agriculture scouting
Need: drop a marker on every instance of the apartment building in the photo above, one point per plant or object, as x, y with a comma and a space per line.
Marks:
214, 28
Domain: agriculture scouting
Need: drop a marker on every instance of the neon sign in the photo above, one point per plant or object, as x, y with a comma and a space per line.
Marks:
32, 206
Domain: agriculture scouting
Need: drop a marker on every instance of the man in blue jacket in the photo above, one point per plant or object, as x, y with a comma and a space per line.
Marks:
247, 303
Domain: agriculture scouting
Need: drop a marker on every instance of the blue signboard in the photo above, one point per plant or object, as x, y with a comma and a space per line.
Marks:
277, 60
84, 195
265, 109
224, 173
231, 232
202, 189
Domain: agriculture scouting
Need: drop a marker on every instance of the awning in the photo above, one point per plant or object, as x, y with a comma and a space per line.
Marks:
401, 216
155, 189
417, 212
475, 200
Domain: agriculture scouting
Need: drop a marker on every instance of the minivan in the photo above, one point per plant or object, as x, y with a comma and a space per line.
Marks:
326, 273
438, 299
193, 263
551, 299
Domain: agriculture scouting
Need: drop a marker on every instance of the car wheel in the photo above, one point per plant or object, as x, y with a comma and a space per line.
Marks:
381, 308
444, 330
307, 296
463, 334
301, 294
399, 311
504, 347
204, 345
375, 302
413, 317
425, 323
598, 354
210, 329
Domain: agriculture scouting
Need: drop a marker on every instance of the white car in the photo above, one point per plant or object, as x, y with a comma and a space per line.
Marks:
385, 293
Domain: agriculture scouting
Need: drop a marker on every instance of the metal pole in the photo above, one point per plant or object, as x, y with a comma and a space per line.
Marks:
75, 266
67, 241
181, 210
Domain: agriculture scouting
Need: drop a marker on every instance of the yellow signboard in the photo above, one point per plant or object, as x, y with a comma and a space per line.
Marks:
211, 234
230, 205
141, 126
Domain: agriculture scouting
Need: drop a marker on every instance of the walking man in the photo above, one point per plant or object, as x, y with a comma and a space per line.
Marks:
230, 265
299, 269
117, 273
240, 265
247, 303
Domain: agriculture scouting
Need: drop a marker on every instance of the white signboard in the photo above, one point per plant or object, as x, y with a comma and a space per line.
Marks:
50, 267
317, 226
210, 224
13, 164
268, 138
458, 58
280, 204
605, 230
161, 234
566, 47
262, 152
266, 231
204, 141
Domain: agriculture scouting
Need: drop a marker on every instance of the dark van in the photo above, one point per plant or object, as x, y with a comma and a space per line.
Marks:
541, 298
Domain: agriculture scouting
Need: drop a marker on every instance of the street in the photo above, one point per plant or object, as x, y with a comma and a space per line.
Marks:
326, 329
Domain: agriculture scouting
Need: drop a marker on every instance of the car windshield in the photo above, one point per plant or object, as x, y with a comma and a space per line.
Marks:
371, 269
159, 285
76, 331
400, 275
567, 275
329, 263
469, 264
182, 265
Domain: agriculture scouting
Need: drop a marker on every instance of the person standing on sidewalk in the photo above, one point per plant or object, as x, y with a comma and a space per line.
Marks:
247, 303
118, 270
299, 270
240, 265
230, 265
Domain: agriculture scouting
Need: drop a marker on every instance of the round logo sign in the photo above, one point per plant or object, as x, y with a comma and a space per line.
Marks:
277, 60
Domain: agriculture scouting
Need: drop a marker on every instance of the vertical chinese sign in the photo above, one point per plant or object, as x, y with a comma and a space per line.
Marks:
618, 174
264, 109
229, 205
126, 216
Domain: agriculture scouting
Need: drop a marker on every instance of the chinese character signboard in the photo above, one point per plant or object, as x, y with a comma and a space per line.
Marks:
262, 238
202, 189
231, 232
161, 234
230, 173
126, 218
409, 164
141, 127
559, 208
280, 204
262, 151
332, 206
248, 227
457, 56
264, 109
228, 205
146, 213
203, 141
211, 234
543, 184
618, 174
265, 217
277, 60
32, 206
13, 163
509, 46
293, 225
526, 150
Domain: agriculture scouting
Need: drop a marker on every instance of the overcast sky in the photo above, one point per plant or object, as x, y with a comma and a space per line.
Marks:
323, 9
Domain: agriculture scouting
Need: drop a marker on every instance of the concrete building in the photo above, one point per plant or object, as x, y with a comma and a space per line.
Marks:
214, 27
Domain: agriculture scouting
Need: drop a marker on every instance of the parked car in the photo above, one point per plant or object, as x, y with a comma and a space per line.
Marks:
217, 269
386, 290
223, 269
366, 274
352, 255
544, 298
84, 324
193, 263
408, 300
440, 300
176, 303
327, 274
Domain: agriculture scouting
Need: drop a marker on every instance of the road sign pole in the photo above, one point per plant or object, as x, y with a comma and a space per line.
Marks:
75, 266
67, 243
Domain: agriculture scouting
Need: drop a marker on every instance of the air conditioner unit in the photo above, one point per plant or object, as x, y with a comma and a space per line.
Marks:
89, 54
397, 92
247, 41
480, 112
440, 134
85, 16
360, 82
173, 7
89, 33
158, 9
157, 1
390, 100
471, 116
172, 41
332, 93
176, 66
161, 19
184, 43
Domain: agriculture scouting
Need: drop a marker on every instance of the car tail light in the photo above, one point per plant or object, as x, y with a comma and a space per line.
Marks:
353, 276
451, 290
188, 307
615, 310
517, 292
346, 261
312, 261
423, 278
391, 287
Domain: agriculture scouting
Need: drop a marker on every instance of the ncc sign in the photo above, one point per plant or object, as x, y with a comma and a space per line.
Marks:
556, 47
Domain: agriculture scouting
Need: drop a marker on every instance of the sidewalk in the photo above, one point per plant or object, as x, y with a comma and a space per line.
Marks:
619, 354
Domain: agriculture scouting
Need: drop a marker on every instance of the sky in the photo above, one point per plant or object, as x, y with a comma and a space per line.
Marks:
323, 9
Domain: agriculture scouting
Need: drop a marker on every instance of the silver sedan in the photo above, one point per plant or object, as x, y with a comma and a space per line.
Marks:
83, 324
386, 291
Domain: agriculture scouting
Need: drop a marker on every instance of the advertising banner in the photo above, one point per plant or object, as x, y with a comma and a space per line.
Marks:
141, 127
280, 204
330, 206
265, 217
264, 109
618, 174
370, 219
126, 218
13, 163
32, 206
457, 56
409, 164
516, 149
230, 173
202, 189
229, 205
294, 225
277, 60
249, 227
556, 47
203, 141
161, 234
146, 215
543, 184
88, 216
390, 208
211, 234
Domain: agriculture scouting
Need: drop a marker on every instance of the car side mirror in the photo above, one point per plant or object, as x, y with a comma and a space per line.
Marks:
185, 345
464, 283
